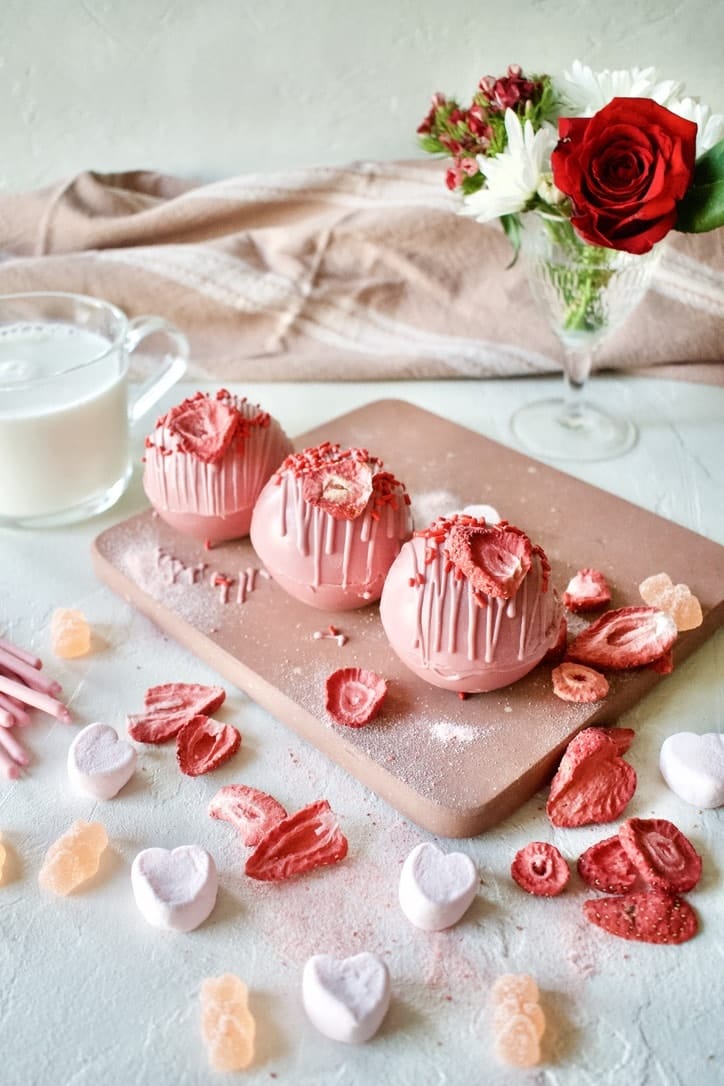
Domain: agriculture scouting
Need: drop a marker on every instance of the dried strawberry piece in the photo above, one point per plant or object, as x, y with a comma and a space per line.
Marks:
540, 869
204, 744
605, 866
341, 488
307, 839
593, 782
663, 855
664, 665
495, 557
586, 590
354, 696
556, 652
627, 637
251, 811
170, 706
203, 427
622, 737
578, 683
646, 917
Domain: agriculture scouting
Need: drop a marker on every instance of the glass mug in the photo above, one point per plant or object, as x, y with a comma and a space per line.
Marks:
65, 406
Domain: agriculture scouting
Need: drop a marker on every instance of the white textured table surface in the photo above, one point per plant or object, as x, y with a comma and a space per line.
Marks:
90, 994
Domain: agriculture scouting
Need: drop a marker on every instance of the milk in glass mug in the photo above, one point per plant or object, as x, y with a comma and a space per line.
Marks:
66, 410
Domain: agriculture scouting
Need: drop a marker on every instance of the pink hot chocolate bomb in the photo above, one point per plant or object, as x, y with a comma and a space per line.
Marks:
468, 606
207, 462
328, 525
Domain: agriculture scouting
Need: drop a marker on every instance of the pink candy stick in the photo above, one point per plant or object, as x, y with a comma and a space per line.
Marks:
14, 747
21, 654
36, 698
7, 720
7, 766
10, 663
15, 709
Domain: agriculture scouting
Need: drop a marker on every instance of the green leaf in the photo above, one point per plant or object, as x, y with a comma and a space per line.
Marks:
512, 227
702, 208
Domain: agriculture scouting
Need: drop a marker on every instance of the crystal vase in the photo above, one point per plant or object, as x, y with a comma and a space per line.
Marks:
585, 292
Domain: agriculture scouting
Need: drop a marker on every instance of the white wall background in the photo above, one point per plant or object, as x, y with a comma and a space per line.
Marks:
211, 88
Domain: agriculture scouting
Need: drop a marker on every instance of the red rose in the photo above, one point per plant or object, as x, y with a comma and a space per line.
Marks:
625, 169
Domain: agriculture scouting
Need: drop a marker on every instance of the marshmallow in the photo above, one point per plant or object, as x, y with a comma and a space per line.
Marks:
693, 767
346, 998
175, 889
436, 888
99, 763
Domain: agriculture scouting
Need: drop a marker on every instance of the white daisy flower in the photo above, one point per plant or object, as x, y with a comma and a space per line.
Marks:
588, 91
710, 126
512, 177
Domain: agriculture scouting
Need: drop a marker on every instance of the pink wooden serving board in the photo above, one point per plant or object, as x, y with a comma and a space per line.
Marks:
455, 767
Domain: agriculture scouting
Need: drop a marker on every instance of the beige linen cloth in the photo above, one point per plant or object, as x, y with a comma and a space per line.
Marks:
357, 272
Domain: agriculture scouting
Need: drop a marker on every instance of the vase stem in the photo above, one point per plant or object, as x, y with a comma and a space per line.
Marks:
575, 375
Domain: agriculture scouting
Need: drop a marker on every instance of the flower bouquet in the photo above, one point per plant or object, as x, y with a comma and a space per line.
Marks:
587, 177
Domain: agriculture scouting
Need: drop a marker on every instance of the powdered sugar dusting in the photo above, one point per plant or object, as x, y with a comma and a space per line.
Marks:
447, 732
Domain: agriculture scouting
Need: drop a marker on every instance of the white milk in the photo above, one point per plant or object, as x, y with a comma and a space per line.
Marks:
64, 440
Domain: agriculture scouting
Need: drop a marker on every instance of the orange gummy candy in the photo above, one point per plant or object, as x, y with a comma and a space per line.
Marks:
518, 1020
517, 1042
70, 633
676, 599
73, 858
227, 1025
518, 986
3, 855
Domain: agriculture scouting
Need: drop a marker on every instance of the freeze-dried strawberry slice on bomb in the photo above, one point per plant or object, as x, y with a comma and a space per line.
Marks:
646, 917
203, 426
663, 855
578, 683
606, 866
627, 637
341, 488
593, 782
540, 869
495, 558
307, 839
204, 744
251, 811
586, 590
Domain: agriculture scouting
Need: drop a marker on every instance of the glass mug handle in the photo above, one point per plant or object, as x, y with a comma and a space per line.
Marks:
173, 368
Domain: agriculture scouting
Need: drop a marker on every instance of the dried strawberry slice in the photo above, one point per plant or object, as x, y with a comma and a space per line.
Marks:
341, 488
556, 652
627, 637
593, 782
586, 590
354, 696
251, 811
665, 858
578, 683
170, 706
307, 839
605, 866
664, 665
622, 737
203, 744
540, 869
495, 557
646, 917
203, 427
